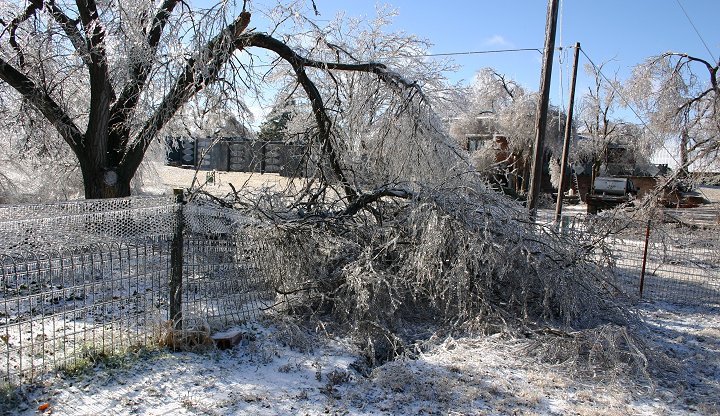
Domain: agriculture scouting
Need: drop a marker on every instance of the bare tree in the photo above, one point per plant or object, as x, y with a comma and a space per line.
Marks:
600, 127
680, 96
596, 117
490, 93
109, 76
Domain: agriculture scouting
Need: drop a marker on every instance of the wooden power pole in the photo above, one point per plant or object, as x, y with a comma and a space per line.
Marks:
541, 119
568, 132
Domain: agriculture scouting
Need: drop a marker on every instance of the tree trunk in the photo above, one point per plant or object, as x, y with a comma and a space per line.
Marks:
525, 175
684, 142
102, 183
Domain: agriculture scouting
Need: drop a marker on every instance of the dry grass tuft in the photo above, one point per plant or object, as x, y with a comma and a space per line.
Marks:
185, 339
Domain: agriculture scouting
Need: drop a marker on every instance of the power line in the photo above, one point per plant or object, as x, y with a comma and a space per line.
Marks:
477, 52
429, 55
696, 29
561, 87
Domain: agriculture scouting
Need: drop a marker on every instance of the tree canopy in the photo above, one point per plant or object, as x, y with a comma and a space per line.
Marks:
110, 76
679, 96
600, 127
499, 105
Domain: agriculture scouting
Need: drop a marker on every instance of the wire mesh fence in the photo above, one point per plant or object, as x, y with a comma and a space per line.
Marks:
653, 260
84, 278
66, 297
668, 270
223, 279
58, 307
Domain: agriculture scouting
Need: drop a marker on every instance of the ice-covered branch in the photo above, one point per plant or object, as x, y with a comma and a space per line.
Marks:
200, 70
29, 12
70, 28
43, 102
140, 70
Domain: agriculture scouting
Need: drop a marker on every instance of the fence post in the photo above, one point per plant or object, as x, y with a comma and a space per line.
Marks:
176, 263
642, 272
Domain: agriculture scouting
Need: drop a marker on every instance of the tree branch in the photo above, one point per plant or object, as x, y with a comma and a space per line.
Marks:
365, 199
713, 70
94, 31
34, 6
140, 70
689, 103
69, 26
265, 41
505, 84
324, 124
201, 69
44, 103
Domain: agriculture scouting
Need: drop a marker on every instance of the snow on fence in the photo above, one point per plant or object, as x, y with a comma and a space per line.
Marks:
79, 280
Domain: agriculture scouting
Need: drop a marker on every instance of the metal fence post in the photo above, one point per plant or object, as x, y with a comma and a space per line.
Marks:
176, 264
642, 272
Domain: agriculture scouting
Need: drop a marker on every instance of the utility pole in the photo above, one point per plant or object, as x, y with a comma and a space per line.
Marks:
541, 120
568, 131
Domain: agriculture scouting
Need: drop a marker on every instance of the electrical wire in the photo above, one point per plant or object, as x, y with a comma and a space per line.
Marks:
561, 87
477, 52
561, 57
696, 29
429, 55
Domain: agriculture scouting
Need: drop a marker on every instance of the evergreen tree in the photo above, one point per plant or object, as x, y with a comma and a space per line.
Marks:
274, 128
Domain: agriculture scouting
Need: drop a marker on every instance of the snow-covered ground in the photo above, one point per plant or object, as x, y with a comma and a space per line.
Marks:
216, 183
281, 369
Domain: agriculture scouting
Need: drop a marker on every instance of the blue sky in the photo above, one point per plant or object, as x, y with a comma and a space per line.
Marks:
624, 32
619, 33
